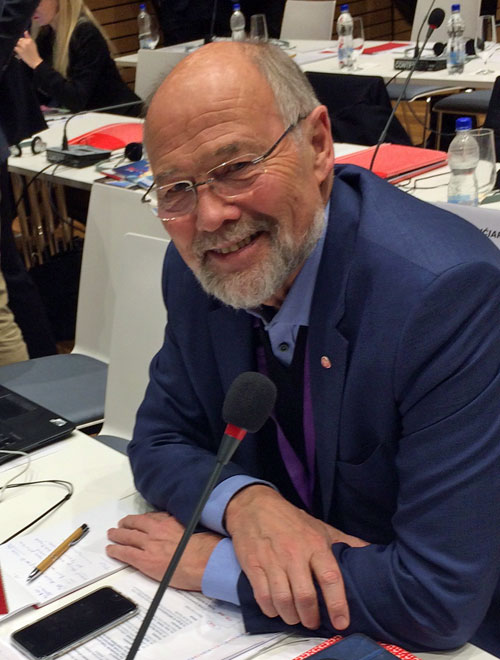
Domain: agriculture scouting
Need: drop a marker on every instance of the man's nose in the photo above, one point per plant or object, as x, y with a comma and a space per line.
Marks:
213, 210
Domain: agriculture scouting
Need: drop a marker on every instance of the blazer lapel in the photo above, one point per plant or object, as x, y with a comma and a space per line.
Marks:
231, 335
328, 348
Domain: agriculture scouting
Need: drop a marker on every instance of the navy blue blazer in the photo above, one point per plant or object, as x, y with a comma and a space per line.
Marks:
407, 308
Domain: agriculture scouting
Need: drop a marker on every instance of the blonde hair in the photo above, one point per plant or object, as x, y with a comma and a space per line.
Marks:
70, 14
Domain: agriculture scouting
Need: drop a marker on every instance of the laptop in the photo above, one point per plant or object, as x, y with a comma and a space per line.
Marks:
26, 426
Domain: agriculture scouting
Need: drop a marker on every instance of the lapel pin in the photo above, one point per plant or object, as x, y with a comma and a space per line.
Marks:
325, 362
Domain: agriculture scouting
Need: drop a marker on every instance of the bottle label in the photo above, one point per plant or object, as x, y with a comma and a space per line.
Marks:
465, 200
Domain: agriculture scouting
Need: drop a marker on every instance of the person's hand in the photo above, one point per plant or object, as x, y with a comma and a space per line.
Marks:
148, 541
282, 549
27, 51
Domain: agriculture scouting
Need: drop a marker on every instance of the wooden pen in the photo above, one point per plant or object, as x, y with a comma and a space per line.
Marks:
58, 552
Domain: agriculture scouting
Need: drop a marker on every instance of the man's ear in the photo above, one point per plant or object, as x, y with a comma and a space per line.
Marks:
320, 137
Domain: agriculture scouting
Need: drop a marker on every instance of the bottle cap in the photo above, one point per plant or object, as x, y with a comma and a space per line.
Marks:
142, 6
344, 7
463, 124
236, 6
455, 7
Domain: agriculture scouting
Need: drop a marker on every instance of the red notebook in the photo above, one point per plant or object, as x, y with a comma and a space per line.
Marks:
396, 162
3, 600
392, 648
112, 136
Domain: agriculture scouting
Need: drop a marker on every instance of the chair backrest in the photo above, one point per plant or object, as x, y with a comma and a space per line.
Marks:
469, 11
359, 107
152, 67
487, 220
112, 213
137, 331
308, 19
492, 119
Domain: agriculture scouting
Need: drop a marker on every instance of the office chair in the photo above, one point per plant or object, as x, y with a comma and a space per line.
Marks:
308, 19
358, 106
73, 385
137, 334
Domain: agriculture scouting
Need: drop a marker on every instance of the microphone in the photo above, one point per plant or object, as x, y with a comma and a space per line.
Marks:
435, 19
247, 406
415, 54
82, 155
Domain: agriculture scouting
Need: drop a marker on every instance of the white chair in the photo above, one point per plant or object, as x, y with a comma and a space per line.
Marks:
73, 385
152, 67
469, 11
137, 334
308, 19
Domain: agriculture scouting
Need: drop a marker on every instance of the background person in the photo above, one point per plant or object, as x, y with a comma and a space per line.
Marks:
71, 60
377, 317
20, 117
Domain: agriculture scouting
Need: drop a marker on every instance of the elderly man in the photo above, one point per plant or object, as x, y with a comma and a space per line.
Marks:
370, 502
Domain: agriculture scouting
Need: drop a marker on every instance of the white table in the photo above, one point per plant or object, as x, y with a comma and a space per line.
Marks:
98, 475
379, 64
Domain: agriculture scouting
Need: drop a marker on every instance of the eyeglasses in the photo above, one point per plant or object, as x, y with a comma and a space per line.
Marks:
174, 201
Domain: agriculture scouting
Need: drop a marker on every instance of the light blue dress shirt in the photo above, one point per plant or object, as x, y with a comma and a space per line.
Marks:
220, 579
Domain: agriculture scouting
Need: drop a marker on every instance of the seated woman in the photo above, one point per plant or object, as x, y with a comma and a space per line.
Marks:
71, 60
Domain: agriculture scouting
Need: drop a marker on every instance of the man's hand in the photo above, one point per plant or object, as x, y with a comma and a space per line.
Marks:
148, 541
281, 549
27, 51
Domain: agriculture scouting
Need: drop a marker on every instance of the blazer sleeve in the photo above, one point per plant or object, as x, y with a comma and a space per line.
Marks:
430, 588
179, 425
88, 54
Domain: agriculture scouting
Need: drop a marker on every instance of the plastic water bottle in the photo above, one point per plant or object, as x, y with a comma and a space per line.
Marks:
463, 158
237, 23
344, 32
146, 38
456, 44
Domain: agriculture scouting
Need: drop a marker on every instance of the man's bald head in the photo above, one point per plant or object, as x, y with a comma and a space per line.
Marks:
217, 66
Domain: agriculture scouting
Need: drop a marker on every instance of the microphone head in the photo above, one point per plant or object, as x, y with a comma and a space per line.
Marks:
249, 401
438, 48
436, 18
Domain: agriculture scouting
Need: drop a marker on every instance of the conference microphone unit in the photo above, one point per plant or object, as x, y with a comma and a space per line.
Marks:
418, 62
81, 155
435, 20
248, 404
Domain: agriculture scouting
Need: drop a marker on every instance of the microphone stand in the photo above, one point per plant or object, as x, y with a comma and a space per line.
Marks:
400, 98
211, 35
227, 448
426, 18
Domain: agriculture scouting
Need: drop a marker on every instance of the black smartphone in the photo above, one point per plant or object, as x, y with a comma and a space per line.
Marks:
354, 647
74, 624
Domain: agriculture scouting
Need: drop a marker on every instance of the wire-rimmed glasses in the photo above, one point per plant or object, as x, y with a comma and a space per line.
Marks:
174, 201
486, 41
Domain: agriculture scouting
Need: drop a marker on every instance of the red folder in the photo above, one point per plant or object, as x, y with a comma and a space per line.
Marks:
396, 162
112, 136
381, 47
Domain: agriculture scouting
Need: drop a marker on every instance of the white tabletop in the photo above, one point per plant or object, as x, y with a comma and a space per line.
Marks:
379, 64
100, 474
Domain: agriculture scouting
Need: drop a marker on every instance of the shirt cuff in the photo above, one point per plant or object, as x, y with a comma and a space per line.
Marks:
222, 572
215, 508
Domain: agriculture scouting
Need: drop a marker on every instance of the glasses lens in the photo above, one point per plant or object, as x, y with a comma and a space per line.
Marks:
176, 199
236, 176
